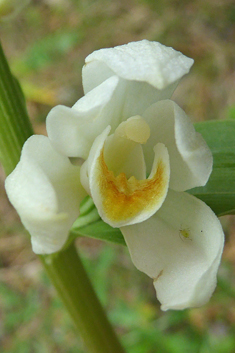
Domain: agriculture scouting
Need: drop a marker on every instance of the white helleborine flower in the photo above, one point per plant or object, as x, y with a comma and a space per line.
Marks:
139, 154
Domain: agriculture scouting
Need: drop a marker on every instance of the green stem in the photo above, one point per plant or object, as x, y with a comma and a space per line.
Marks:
71, 281
65, 268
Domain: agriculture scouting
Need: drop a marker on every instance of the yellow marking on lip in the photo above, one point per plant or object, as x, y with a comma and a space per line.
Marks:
123, 198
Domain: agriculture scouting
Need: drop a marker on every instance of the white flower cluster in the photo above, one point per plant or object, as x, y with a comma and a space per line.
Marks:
124, 129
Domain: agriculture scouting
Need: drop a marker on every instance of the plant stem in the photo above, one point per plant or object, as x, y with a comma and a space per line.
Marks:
72, 283
64, 268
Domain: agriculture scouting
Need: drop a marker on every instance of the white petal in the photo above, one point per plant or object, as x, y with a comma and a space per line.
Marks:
136, 97
119, 197
142, 61
73, 130
45, 190
180, 247
86, 176
190, 157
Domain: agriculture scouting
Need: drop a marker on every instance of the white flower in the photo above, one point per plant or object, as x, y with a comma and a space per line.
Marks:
124, 128
46, 191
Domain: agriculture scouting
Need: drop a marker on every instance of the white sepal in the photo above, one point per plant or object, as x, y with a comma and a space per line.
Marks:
148, 72
190, 158
180, 247
73, 130
142, 61
45, 189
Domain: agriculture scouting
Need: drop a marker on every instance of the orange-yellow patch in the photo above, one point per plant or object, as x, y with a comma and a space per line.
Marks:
123, 198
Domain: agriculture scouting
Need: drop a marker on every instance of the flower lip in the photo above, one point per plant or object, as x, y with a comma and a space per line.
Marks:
124, 199
121, 196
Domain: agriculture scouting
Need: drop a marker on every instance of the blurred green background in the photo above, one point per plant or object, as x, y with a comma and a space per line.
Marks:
46, 45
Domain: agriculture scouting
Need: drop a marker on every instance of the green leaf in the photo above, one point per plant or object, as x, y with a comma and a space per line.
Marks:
100, 230
219, 192
15, 126
90, 224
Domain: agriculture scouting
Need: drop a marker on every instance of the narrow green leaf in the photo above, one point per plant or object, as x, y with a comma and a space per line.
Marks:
15, 126
86, 206
100, 230
219, 192
90, 224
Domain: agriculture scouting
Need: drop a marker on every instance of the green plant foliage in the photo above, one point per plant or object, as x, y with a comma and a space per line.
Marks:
101, 230
219, 192
47, 51
231, 112
90, 224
